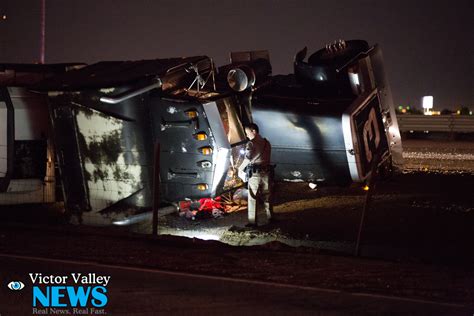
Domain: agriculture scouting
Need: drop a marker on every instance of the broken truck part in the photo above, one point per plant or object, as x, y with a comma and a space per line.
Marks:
105, 129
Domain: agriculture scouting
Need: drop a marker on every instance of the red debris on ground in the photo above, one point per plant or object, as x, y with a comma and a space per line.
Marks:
209, 207
208, 204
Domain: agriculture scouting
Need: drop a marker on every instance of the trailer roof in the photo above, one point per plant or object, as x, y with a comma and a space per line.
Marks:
25, 75
107, 74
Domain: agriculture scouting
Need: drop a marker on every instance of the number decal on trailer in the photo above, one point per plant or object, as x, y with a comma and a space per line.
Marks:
371, 134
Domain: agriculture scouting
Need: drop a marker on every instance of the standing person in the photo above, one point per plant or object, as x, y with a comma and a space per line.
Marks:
258, 153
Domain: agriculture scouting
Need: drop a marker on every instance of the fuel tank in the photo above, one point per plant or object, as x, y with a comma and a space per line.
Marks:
331, 118
321, 140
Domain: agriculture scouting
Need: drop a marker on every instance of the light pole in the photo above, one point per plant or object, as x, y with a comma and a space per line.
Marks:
3, 21
43, 30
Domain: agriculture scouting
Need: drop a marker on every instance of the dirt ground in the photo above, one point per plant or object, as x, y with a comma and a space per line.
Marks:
413, 216
421, 214
440, 155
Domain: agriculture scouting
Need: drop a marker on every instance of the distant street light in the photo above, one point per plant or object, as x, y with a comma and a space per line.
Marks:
427, 104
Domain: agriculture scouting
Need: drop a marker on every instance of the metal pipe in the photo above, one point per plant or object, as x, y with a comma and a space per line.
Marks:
134, 219
128, 95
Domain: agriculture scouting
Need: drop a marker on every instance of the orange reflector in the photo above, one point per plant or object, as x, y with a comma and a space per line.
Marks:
202, 186
365, 188
205, 150
200, 136
191, 114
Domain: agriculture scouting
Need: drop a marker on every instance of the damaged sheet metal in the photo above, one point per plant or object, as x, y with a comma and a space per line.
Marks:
106, 148
102, 157
112, 170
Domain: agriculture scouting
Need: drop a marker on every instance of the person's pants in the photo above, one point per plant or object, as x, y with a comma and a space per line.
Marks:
259, 189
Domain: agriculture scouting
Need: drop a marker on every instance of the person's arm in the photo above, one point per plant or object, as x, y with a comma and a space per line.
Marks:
249, 151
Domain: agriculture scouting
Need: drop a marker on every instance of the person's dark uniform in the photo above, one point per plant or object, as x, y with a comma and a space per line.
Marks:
258, 153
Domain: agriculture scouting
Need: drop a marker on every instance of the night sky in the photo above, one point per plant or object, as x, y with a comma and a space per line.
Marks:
428, 46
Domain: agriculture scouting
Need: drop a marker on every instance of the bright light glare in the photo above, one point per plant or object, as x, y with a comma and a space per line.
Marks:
220, 169
206, 236
427, 102
354, 78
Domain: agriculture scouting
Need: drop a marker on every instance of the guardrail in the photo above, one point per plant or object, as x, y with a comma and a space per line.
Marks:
437, 123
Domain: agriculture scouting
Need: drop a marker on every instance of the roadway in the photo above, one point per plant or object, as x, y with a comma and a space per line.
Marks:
144, 291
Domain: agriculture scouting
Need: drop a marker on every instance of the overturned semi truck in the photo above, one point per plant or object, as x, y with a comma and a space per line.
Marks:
327, 121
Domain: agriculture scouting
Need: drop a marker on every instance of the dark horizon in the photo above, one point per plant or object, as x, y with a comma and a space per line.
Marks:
427, 47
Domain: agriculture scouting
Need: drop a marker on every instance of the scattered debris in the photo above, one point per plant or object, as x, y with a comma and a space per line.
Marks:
210, 208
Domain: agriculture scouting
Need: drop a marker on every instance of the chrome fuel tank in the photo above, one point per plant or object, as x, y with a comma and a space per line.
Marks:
321, 140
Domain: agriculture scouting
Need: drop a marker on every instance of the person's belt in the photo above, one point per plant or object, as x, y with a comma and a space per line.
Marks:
260, 168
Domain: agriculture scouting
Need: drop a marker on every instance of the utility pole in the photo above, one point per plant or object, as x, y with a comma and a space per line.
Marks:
43, 30
3, 41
